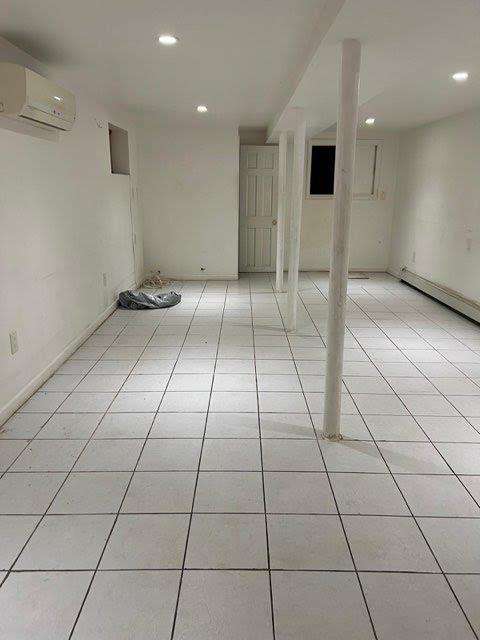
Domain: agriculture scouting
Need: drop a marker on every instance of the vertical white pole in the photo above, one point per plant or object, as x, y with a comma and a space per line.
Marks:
337, 293
296, 219
282, 208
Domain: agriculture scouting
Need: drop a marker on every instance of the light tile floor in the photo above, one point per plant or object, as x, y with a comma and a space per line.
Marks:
170, 480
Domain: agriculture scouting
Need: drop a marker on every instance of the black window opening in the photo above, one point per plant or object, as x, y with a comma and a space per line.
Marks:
322, 170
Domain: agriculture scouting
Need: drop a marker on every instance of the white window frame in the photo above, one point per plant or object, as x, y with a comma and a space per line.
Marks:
332, 143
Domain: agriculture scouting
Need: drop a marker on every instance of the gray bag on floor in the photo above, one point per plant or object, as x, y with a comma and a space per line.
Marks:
138, 300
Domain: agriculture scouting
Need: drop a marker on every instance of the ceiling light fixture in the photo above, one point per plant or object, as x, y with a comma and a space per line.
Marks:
460, 76
202, 108
370, 121
167, 39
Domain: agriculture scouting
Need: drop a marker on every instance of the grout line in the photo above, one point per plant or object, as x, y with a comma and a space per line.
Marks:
267, 540
177, 602
340, 516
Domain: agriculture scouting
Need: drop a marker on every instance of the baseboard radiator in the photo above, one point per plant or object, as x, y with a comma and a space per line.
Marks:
449, 297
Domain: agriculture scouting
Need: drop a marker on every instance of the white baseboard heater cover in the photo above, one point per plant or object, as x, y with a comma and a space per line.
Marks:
451, 298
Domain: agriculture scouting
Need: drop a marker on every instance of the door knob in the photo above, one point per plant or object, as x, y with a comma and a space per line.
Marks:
274, 222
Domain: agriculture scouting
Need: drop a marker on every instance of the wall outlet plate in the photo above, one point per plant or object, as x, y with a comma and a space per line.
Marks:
13, 342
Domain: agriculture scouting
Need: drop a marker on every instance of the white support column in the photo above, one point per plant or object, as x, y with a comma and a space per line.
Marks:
296, 218
344, 175
281, 209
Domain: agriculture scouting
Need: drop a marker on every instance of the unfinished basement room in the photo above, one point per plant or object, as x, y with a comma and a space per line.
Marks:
240, 337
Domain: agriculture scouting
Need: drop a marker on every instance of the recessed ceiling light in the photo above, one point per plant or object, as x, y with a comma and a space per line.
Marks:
460, 76
202, 108
167, 39
370, 121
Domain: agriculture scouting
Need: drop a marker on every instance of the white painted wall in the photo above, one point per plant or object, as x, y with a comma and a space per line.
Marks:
189, 197
371, 219
65, 221
436, 230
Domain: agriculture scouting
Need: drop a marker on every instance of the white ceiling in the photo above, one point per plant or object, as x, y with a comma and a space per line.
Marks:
237, 57
410, 48
252, 61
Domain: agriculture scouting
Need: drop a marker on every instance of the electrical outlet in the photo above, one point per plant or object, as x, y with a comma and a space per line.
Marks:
13, 342
104, 279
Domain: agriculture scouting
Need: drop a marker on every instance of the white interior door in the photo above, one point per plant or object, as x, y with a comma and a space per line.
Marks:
258, 208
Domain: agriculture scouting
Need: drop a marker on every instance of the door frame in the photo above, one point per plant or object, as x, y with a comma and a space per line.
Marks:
270, 269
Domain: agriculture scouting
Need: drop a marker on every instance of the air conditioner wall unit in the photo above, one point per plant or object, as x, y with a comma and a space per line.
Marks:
28, 96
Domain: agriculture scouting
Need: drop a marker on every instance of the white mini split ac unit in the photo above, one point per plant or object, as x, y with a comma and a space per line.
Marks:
27, 96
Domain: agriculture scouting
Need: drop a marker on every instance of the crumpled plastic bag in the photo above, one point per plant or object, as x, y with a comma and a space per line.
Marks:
137, 300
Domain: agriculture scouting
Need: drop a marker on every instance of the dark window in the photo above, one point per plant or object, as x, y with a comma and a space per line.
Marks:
322, 170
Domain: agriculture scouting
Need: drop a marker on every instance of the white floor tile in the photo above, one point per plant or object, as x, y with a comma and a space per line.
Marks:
92, 492
48, 455
180, 454
410, 606
101, 383
300, 613
291, 455
23, 426
124, 425
413, 457
146, 541
239, 401
58, 597
298, 493
455, 542
227, 541
307, 542
448, 429
160, 492
384, 543
120, 604
391, 428
231, 455
109, 455
14, 533
437, 496
70, 426
9, 451
368, 494
467, 590
232, 425
178, 425
190, 382
87, 402
43, 402
229, 492
286, 425
185, 401
66, 542
352, 456
205, 611
463, 458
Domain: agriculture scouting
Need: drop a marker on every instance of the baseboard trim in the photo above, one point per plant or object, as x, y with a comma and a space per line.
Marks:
448, 297
197, 276
316, 270
22, 396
